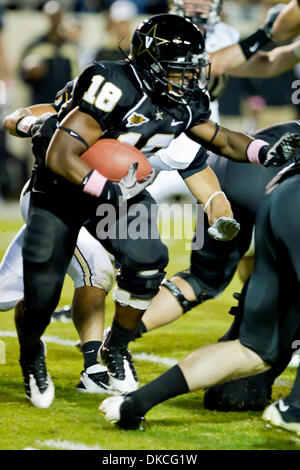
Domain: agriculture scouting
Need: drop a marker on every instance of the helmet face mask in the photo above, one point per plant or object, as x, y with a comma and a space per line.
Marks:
198, 11
167, 46
186, 78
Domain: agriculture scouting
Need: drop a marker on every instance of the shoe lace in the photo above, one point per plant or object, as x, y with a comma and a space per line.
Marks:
116, 358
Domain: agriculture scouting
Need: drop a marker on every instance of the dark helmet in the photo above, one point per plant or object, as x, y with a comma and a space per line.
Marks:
169, 43
200, 19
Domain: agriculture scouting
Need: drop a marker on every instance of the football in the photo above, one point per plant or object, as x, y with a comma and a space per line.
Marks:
113, 158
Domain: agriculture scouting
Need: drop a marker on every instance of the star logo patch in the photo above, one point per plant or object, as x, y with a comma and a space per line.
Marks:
149, 41
158, 115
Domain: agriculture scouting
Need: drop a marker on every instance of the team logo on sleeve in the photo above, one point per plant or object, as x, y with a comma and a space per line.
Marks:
58, 100
136, 119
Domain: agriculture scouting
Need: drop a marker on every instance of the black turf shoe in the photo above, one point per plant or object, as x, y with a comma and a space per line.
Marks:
38, 384
95, 379
121, 371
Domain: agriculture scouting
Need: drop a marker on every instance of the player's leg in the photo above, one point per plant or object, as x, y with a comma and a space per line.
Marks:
92, 274
246, 394
212, 267
142, 258
47, 250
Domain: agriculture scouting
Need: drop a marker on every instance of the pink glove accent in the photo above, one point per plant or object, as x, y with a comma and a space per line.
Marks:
253, 151
95, 184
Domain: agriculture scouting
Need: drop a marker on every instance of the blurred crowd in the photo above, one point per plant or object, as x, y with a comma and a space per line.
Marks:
45, 44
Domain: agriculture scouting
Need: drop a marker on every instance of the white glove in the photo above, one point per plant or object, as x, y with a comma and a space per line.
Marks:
224, 229
129, 185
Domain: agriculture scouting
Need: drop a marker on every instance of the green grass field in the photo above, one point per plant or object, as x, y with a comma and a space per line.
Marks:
73, 421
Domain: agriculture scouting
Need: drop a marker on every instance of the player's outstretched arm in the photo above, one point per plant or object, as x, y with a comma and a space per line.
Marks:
228, 59
270, 64
287, 24
19, 123
243, 148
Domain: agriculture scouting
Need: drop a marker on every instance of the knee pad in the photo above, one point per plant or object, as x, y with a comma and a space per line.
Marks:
246, 394
141, 284
126, 299
185, 304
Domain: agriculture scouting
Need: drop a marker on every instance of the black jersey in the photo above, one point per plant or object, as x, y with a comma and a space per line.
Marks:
114, 95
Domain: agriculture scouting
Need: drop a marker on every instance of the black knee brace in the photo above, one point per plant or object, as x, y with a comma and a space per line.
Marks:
185, 304
139, 285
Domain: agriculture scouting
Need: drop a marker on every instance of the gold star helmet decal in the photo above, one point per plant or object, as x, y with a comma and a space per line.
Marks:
149, 41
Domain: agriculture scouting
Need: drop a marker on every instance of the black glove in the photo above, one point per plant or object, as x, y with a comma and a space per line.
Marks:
285, 149
35, 127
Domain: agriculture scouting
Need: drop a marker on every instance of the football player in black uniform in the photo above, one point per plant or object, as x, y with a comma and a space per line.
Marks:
163, 84
270, 320
90, 268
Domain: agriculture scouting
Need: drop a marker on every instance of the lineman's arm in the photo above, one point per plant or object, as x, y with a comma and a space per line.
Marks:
231, 57
270, 64
203, 185
10, 121
287, 24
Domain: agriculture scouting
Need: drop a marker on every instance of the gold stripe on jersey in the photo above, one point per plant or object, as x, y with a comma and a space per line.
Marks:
84, 267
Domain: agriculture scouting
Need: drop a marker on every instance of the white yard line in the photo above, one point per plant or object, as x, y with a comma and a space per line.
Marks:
67, 445
63, 445
165, 361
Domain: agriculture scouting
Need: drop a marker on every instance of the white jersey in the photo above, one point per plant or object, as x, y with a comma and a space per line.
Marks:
169, 184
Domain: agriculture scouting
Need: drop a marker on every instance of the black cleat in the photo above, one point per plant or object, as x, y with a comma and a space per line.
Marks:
38, 384
121, 371
95, 379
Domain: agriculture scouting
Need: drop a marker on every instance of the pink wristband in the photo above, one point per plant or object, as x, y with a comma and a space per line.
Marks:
95, 184
253, 151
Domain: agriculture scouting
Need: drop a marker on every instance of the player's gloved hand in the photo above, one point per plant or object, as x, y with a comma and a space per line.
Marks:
224, 229
129, 185
271, 18
35, 127
285, 149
